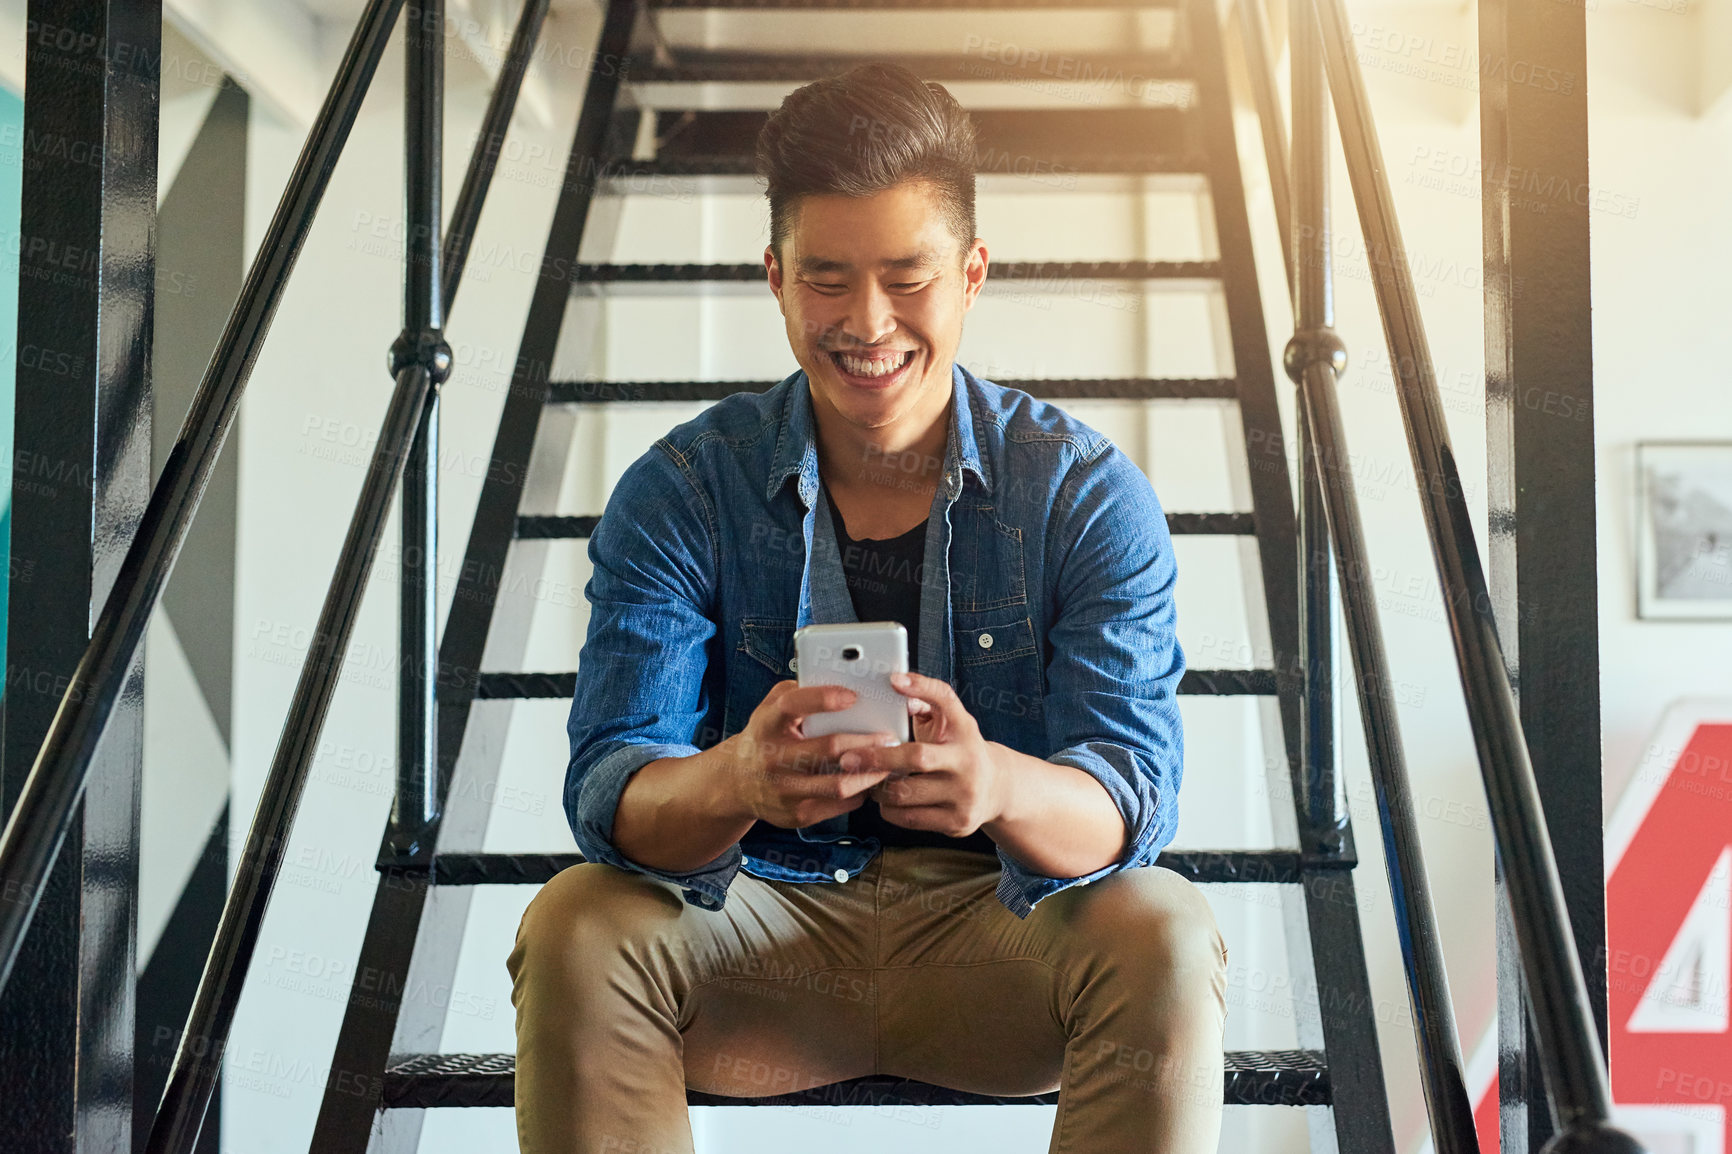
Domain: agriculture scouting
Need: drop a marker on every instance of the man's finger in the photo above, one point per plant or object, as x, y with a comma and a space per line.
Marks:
908, 757
931, 690
928, 817
822, 754
805, 700
827, 786
813, 812
914, 789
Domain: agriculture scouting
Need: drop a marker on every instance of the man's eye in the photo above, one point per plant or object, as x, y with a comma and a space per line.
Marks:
909, 286
826, 287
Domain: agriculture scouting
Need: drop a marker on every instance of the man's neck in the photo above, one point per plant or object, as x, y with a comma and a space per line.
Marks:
898, 456
884, 476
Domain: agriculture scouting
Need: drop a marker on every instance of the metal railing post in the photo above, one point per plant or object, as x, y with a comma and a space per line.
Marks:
415, 809
1569, 1045
1324, 806
1314, 359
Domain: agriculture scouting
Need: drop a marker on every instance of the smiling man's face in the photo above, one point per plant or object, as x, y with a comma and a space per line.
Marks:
873, 290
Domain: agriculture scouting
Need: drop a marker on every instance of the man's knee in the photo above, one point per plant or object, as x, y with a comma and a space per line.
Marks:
1156, 926
588, 912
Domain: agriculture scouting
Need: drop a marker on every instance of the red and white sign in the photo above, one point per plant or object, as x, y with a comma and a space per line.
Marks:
1669, 941
1669, 934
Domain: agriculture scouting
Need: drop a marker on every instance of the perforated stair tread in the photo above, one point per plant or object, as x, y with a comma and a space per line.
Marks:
1223, 866
1048, 388
528, 685
563, 528
1038, 276
1130, 72
1252, 1078
1046, 146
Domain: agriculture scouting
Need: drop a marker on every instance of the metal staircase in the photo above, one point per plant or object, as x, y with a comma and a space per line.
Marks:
420, 910
388, 1066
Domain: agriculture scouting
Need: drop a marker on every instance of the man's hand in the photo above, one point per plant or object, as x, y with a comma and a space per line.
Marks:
948, 778
775, 773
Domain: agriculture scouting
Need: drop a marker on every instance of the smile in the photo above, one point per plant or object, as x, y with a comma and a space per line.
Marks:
879, 368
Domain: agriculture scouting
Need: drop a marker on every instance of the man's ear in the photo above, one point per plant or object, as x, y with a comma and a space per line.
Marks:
773, 268
973, 273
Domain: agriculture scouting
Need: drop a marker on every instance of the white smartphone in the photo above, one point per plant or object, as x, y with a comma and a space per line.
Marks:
861, 656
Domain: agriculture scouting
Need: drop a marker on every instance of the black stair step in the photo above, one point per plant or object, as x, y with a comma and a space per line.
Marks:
1131, 73
1219, 866
524, 686
1096, 388
549, 528
629, 175
1039, 274
1031, 142
435, 1081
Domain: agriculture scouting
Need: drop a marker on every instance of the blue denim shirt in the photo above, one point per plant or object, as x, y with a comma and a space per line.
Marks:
1046, 602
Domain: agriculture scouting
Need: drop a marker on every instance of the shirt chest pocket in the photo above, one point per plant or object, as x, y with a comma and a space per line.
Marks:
763, 655
998, 674
986, 568
993, 636
998, 657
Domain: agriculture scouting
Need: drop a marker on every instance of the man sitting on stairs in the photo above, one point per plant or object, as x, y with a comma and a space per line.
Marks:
761, 911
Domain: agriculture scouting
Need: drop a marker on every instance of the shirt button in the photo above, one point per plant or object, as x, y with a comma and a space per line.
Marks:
841, 875
793, 665
986, 641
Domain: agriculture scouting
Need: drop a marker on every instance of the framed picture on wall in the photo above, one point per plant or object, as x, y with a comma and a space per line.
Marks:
1684, 530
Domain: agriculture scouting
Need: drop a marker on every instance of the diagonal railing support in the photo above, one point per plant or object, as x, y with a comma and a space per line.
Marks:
420, 361
1570, 1053
1315, 359
407, 933
40, 819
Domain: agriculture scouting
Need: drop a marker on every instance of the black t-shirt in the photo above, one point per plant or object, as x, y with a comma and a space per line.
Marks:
883, 577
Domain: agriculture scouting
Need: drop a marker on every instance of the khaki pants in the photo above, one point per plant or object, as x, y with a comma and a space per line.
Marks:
1112, 992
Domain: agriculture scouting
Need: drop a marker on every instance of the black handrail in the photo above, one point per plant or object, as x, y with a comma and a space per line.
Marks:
199, 1056
39, 821
1569, 1045
404, 920
1314, 358
421, 361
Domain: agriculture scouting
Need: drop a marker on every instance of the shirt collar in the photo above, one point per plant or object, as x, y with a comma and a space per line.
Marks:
797, 445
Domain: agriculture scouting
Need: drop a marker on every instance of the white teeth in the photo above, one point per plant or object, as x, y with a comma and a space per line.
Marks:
872, 367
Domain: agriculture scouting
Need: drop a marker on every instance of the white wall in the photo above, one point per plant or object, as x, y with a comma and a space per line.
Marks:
1661, 341
320, 389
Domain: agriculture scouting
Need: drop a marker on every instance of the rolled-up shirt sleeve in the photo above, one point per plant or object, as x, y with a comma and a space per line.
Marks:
1112, 680
643, 674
